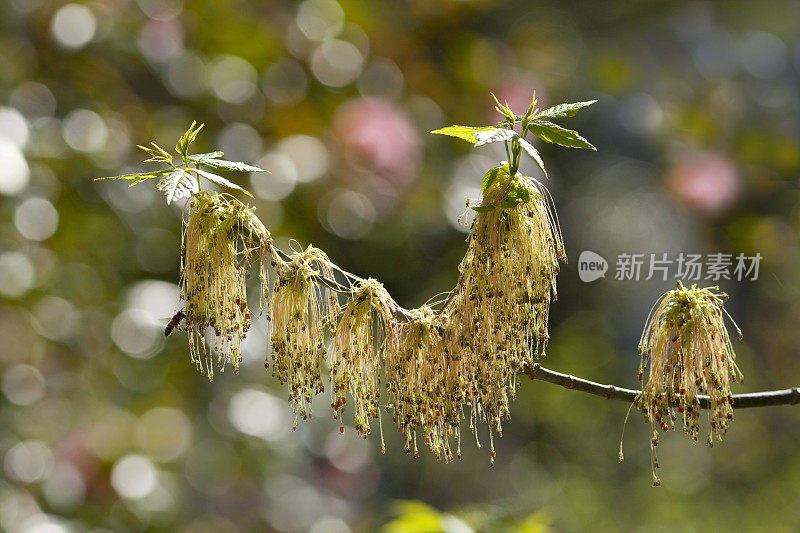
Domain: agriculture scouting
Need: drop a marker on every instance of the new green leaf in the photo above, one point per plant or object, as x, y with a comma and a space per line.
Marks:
547, 131
156, 153
234, 166
477, 136
188, 138
139, 180
219, 180
491, 176
563, 110
493, 135
518, 193
199, 158
503, 109
139, 176
177, 185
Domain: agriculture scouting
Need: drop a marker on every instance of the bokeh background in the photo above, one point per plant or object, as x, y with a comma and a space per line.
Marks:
107, 426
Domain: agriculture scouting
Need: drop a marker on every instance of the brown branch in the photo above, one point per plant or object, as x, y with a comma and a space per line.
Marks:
612, 392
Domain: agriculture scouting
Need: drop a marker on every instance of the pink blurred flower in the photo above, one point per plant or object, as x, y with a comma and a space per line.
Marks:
706, 182
374, 138
75, 451
160, 41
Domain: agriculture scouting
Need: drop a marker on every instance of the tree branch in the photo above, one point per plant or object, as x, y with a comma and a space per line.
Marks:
612, 392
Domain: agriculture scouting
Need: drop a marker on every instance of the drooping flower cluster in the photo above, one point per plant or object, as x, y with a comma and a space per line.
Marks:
686, 352
507, 279
220, 237
300, 308
439, 367
358, 345
417, 372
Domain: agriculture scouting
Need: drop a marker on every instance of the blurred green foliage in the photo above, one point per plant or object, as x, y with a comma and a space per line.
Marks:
106, 425
417, 517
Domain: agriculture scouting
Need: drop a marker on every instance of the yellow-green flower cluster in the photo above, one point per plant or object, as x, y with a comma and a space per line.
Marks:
507, 279
220, 236
469, 353
416, 379
358, 345
686, 352
301, 307
435, 363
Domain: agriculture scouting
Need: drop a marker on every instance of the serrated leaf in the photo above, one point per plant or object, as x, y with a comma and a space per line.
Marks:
157, 154
139, 180
166, 155
534, 153
522, 193
478, 136
563, 110
147, 149
552, 133
516, 194
483, 208
494, 135
462, 132
490, 178
233, 166
196, 158
517, 120
139, 176
177, 185
503, 109
219, 180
